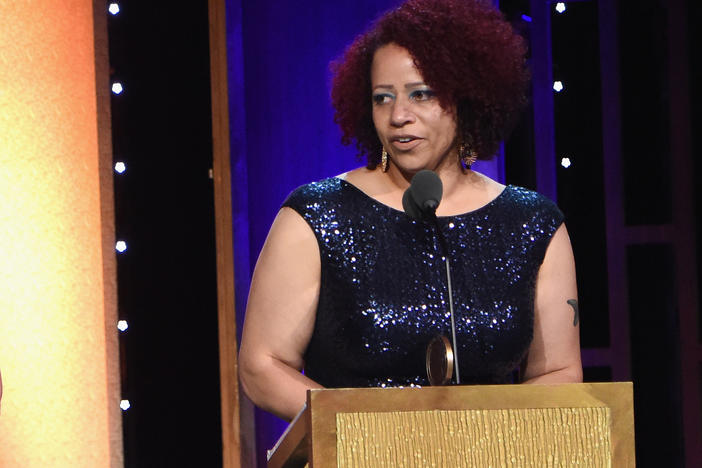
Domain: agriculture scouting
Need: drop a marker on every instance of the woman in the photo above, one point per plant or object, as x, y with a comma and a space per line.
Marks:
351, 290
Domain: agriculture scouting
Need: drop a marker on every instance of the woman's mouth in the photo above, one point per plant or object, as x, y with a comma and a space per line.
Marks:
405, 142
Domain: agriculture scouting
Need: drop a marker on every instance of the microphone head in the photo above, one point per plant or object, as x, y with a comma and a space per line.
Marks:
410, 207
426, 189
423, 196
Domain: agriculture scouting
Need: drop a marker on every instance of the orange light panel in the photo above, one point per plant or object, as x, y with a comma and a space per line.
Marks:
55, 352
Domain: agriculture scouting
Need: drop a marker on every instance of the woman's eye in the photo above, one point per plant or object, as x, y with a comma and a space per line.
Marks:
381, 98
422, 94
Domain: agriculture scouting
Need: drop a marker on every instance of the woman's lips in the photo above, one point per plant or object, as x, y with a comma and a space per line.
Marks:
405, 143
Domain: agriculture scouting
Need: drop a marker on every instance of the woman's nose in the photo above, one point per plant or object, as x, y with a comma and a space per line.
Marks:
401, 113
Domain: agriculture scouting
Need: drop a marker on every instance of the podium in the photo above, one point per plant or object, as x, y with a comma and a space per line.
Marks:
560, 425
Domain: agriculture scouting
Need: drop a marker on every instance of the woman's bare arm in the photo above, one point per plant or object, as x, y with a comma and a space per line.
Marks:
280, 317
554, 355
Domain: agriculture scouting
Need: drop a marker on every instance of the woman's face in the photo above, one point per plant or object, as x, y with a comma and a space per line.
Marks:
412, 126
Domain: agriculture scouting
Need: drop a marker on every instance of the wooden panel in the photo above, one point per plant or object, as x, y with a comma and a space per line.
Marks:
229, 385
291, 450
507, 438
617, 398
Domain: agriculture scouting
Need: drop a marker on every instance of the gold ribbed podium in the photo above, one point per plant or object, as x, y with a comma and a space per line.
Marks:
564, 425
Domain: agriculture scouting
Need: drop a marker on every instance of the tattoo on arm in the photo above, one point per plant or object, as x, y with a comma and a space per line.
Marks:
576, 315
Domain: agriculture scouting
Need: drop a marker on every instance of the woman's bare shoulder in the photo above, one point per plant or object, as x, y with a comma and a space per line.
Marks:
370, 181
358, 176
491, 187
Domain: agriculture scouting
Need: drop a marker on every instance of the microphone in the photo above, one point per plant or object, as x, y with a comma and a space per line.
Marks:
422, 197
420, 201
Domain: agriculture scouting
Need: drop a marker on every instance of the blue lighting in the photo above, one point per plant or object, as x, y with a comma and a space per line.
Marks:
526, 18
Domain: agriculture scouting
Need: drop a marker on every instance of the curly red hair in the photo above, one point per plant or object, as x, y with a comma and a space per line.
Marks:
464, 50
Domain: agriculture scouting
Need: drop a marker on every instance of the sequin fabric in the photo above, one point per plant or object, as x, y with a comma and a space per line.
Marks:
383, 293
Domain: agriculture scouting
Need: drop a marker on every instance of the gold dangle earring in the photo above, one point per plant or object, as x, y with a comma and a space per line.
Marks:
466, 155
384, 160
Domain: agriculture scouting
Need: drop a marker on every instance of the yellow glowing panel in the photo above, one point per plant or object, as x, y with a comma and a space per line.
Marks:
53, 346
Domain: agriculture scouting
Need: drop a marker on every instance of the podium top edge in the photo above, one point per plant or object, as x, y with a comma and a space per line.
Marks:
499, 387
476, 397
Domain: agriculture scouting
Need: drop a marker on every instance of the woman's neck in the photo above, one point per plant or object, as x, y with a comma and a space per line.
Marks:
463, 190
452, 175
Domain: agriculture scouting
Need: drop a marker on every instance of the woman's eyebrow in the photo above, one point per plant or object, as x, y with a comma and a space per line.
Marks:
415, 84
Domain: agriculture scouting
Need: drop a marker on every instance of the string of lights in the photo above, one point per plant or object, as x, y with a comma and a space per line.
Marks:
164, 223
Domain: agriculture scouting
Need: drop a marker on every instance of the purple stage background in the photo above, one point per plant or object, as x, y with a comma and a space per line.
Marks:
282, 130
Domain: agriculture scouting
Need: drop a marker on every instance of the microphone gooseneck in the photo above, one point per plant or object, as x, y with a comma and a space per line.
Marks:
420, 201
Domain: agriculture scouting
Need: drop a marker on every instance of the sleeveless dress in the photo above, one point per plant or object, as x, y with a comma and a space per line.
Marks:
383, 294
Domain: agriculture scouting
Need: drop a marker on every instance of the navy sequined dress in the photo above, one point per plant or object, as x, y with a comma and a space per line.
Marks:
383, 293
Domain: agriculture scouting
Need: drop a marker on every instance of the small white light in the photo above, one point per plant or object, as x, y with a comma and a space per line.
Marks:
113, 8
117, 87
565, 162
120, 167
560, 7
120, 246
122, 325
558, 86
124, 404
